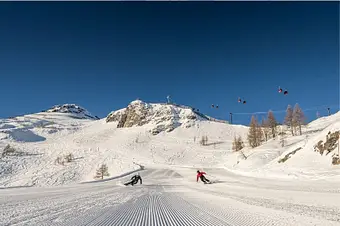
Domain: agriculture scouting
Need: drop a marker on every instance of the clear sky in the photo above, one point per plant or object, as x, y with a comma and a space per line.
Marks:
104, 55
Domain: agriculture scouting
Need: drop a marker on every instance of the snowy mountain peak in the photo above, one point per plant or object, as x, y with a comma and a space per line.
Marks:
73, 109
137, 102
160, 116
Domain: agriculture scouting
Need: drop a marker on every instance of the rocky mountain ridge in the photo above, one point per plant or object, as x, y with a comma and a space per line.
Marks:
162, 117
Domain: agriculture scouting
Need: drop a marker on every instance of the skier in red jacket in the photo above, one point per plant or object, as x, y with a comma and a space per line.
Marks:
202, 177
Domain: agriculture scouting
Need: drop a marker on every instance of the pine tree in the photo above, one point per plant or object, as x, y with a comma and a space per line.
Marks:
272, 123
298, 117
253, 134
289, 118
102, 171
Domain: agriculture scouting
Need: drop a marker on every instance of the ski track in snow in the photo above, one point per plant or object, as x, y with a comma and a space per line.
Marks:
154, 208
165, 199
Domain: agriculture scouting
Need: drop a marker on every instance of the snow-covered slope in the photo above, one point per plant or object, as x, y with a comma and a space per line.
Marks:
73, 110
298, 158
172, 197
59, 120
41, 139
159, 117
36, 127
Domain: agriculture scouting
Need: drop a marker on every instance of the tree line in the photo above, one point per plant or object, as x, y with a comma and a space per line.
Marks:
260, 132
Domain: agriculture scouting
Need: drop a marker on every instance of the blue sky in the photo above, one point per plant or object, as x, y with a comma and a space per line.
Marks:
104, 55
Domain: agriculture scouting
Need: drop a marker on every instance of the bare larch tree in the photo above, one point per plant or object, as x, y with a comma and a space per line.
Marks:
102, 171
255, 133
272, 123
298, 117
237, 143
289, 118
265, 128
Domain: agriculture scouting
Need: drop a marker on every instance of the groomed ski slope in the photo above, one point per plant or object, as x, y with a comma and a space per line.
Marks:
171, 196
258, 190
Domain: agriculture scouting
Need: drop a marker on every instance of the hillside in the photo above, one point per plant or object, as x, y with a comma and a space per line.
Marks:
124, 142
73, 110
299, 157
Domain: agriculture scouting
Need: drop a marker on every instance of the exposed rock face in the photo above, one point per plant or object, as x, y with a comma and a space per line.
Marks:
162, 117
330, 144
78, 111
137, 113
116, 116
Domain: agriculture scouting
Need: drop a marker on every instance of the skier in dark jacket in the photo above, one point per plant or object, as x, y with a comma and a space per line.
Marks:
134, 180
202, 177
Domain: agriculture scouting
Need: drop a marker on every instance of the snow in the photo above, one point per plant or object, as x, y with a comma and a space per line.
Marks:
24, 135
35, 190
73, 109
169, 197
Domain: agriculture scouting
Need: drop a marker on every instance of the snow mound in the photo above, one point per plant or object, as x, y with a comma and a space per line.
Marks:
6, 126
159, 117
75, 110
36, 127
24, 135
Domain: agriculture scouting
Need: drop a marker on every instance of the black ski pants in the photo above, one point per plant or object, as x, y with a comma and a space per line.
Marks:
133, 182
204, 180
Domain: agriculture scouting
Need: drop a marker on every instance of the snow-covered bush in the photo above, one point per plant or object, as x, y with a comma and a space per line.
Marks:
204, 140
336, 160
8, 150
69, 157
61, 160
